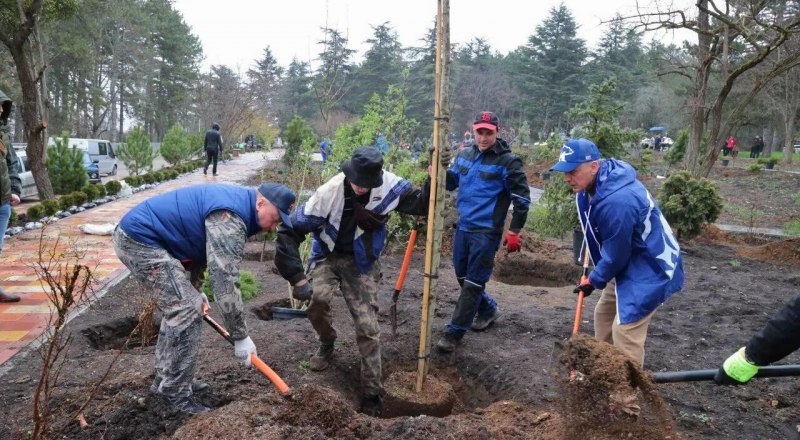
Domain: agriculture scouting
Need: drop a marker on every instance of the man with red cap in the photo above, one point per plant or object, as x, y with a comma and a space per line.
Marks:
489, 177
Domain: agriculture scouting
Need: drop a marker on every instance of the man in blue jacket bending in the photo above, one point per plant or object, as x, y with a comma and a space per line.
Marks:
636, 258
193, 228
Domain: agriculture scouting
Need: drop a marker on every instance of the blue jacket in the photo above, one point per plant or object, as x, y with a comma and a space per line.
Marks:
630, 240
175, 221
488, 182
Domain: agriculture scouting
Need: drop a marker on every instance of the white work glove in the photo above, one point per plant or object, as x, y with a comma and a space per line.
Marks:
243, 348
204, 305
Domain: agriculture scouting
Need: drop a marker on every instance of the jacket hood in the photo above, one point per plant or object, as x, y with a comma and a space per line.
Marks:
500, 147
6, 103
612, 176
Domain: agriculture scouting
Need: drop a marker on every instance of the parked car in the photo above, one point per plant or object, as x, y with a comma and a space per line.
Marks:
29, 185
99, 150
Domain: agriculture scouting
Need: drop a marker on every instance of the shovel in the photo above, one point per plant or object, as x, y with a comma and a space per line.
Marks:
703, 375
398, 286
576, 326
260, 365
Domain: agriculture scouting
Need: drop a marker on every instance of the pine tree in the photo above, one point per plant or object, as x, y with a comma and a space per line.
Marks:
175, 148
65, 167
382, 66
136, 154
265, 78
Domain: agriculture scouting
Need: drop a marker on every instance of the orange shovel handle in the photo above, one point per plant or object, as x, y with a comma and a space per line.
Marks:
270, 374
412, 238
576, 325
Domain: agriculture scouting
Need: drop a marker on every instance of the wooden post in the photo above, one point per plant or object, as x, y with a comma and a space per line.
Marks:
438, 177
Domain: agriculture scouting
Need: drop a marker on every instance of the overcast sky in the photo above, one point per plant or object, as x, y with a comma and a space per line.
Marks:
235, 32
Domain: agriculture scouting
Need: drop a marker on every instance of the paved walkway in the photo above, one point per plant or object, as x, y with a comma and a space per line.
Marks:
24, 321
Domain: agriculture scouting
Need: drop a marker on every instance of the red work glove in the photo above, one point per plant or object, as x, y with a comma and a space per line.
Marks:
511, 241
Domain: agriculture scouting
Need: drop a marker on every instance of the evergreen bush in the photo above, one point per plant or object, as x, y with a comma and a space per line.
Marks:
90, 191
688, 203
50, 207
101, 190
137, 154
247, 284
555, 215
12, 220
65, 167
148, 178
66, 201
176, 147
35, 212
78, 197
754, 168
113, 187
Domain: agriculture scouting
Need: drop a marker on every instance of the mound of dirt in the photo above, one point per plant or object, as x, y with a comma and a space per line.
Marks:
784, 252
713, 235
317, 406
602, 395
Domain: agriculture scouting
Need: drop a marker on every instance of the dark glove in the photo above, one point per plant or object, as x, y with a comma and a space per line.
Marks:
587, 289
302, 293
736, 370
445, 156
366, 219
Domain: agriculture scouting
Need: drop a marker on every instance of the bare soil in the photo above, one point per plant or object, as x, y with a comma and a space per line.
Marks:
508, 382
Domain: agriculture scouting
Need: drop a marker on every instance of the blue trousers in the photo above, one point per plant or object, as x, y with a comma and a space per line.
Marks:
5, 216
473, 260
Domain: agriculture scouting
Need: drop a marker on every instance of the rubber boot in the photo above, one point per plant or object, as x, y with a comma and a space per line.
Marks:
187, 404
197, 386
372, 405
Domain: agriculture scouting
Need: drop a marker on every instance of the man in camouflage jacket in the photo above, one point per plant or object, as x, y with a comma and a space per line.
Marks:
10, 183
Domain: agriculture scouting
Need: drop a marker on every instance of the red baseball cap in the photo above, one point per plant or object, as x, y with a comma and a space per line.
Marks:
486, 120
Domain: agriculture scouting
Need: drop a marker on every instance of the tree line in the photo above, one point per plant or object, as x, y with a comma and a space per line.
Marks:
99, 66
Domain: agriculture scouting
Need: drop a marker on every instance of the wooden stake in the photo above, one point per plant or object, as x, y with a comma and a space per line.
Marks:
438, 177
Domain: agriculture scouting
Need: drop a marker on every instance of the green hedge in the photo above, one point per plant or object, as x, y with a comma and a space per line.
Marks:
35, 212
50, 207
78, 197
113, 187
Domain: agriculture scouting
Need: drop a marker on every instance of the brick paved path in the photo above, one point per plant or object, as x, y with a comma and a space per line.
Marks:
24, 321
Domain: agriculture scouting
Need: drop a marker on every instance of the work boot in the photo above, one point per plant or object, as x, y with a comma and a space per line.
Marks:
7, 297
448, 342
322, 358
197, 385
187, 404
372, 406
483, 322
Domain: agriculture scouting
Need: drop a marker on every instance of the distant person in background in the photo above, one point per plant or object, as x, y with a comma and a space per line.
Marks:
732, 146
381, 144
757, 147
416, 148
324, 150
468, 141
10, 183
213, 146
657, 143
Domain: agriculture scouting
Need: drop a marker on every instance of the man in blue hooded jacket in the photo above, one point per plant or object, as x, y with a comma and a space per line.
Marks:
636, 258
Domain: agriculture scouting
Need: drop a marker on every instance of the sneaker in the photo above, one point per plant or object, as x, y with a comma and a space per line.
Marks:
322, 358
483, 322
372, 406
188, 405
7, 297
448, 343
197, 386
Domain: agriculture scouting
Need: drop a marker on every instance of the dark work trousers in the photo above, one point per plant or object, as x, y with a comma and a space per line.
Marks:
212, 155
473, 261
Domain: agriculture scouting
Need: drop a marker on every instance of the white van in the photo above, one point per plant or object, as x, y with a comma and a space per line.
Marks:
99, 150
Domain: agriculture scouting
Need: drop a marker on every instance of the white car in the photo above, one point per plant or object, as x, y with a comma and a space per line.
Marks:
28, 184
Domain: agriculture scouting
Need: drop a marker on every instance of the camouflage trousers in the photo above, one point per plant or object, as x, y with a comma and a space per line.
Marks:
158, 272
360, 292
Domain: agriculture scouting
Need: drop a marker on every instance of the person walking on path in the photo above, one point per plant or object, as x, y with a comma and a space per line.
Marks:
779, 337
636, 258
10, 183
489, 178
347, 217
193, 228
213, 146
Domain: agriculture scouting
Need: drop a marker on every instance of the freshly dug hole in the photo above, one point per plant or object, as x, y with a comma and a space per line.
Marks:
113, 334
264, 311
523, 268
436, 399
608, 388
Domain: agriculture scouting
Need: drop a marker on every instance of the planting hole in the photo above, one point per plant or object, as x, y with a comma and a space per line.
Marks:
524, 269
112, 335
